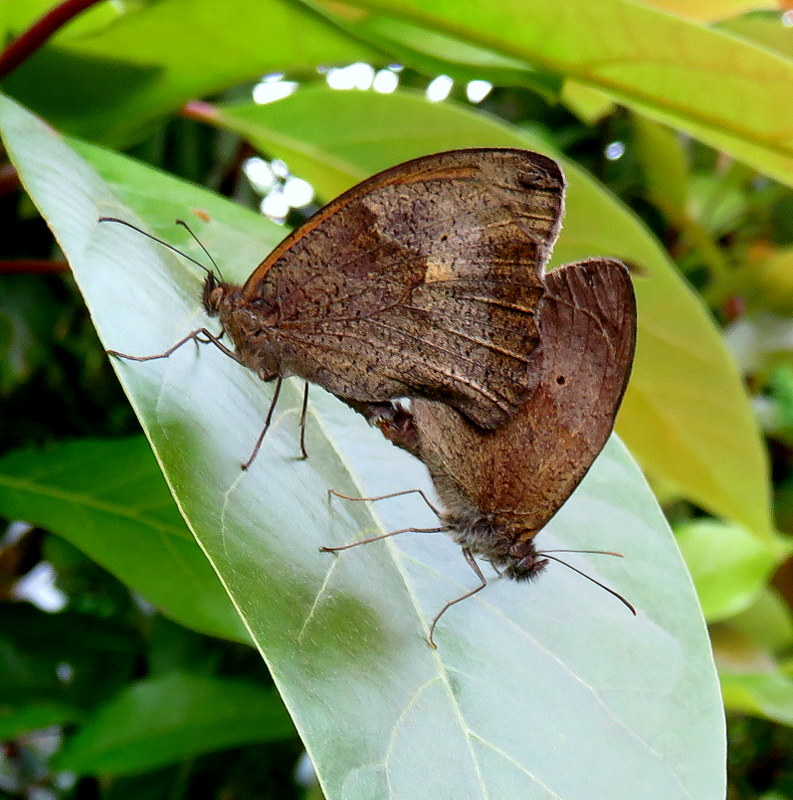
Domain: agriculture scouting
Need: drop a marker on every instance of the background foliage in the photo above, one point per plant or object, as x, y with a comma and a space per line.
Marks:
671, 126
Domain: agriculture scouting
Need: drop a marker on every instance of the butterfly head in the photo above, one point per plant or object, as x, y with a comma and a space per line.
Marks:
523, 562
216, 294
510, 550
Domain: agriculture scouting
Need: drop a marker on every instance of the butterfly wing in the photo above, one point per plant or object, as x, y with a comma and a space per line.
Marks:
522, 473
421, 281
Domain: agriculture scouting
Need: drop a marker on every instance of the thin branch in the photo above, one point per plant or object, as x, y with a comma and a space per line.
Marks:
200, 110
31, 40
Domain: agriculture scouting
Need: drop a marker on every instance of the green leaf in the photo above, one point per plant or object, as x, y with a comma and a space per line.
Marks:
588, 104
768, 621
432, 52
166, 719
751, 681
704, 10
764, 28
17, 17
767, 282
112, 83
716, 87
729, 566
65, 660
344, 636
15, 722
28, 309
663, 160
763, 694
686, 415
109, 499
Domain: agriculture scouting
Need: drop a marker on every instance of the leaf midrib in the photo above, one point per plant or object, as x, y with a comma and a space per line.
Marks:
89, 502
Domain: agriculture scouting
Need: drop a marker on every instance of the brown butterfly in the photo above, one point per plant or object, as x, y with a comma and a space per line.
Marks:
422, 281
500, 488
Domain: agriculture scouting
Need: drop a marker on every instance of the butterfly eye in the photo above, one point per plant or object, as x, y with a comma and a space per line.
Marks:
213, 295
560, 379
216, 295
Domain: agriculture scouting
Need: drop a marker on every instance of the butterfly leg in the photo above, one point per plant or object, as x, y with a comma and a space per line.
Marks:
386, 496
303, 412
267, 421
475, 567
194, 336
209, 341
378, 538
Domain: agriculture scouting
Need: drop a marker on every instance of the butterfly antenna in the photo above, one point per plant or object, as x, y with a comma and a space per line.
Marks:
589, 577
201, 245
159, 241
591, 552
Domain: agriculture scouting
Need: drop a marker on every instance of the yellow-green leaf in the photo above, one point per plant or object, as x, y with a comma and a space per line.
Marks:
720, 89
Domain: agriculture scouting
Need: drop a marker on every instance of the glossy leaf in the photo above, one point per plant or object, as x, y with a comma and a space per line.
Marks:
729, 566
586, 103
685, 393
663, 160
429, 51
718, 88
768, 621
764, 28
752, 682
109, 499
761, 694
15, 722
61, 661
767, 282
706, 10
167, 719
114, 81
381, 713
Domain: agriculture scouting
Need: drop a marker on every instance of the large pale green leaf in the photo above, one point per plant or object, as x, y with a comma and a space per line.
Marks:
109, 499
720, 89
686, 415
534, 692
169, 718
112, 81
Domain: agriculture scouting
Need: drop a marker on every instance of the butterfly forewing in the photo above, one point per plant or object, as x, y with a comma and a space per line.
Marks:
421, 281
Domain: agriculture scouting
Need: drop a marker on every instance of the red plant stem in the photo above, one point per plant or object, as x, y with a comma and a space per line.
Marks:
199, 110
28, 42
33, 266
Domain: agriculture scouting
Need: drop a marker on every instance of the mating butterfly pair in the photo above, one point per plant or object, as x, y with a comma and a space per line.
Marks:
427, 281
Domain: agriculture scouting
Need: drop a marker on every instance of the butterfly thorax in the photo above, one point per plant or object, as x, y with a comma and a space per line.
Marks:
251, 331
484, 535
